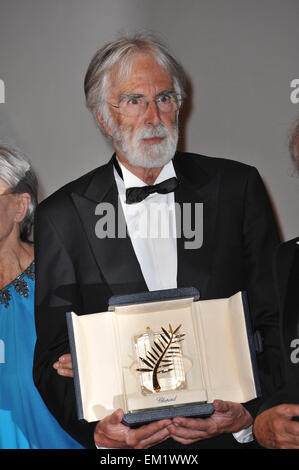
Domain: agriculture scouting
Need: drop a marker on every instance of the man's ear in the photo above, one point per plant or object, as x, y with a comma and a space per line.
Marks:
103, 124
23, 202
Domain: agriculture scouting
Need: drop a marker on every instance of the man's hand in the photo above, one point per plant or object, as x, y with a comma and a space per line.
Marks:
111, 433
274, 428
64, 366
228, 417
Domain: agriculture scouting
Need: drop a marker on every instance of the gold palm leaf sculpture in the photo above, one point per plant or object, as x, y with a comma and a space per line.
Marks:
160, 359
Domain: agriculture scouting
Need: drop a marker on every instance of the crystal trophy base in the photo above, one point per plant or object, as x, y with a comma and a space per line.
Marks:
160, 360
160, 367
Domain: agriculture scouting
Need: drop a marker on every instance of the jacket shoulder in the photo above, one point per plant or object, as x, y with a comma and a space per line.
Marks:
212, 163
233, 173
285, 248
61, 199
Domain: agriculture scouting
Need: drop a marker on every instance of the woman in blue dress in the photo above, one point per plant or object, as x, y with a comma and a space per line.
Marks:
25, 421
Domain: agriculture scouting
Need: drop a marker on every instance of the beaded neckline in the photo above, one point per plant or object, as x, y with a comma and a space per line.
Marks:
19, 284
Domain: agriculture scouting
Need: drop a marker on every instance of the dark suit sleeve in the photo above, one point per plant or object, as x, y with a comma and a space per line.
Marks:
54, 269
285, 275
261, 238
280, 396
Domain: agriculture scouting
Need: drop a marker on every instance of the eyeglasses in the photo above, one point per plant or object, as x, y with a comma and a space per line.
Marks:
134, 105
6, 194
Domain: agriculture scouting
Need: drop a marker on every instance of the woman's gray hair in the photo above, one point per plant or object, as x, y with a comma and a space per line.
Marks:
121, 52
293, 142
17, 172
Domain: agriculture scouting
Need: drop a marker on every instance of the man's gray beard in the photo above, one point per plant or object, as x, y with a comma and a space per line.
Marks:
138, 153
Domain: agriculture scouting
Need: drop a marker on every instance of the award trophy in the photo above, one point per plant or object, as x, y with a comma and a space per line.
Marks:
161, 361
154, 355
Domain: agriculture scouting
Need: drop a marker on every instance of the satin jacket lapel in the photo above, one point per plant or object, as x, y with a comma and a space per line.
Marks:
195, 265
115, 256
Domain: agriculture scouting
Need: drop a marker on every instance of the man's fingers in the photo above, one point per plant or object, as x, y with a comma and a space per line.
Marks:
292, 428
156, 438
116, 417
275, 429
65, 372
221, 406
66, 361
147, 431
291, 442
112, 430
102, 440
191, 423
181, 440
288, 410
64, 365
187, 433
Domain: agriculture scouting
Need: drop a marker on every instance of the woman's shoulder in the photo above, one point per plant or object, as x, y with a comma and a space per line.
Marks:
20, 286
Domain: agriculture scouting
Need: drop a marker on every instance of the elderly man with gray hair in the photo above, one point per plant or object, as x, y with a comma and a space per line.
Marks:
134, 88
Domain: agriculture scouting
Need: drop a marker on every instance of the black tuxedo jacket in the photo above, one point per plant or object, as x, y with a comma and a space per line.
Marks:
286, 275
77, 271
286, 269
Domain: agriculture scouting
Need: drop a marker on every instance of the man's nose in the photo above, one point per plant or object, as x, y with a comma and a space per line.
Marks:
152, 115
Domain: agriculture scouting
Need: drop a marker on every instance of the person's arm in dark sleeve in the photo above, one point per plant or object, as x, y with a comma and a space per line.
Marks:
261, 238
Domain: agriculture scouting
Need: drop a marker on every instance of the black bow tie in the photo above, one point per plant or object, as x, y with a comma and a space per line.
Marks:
137, 194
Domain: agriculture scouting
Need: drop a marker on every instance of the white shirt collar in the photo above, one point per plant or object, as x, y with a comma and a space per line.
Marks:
130, 180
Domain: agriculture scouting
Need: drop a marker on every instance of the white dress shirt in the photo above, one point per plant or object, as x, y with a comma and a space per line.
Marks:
151, 226
154, 243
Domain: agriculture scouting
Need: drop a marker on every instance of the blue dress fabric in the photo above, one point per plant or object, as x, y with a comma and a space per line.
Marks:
25, 421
